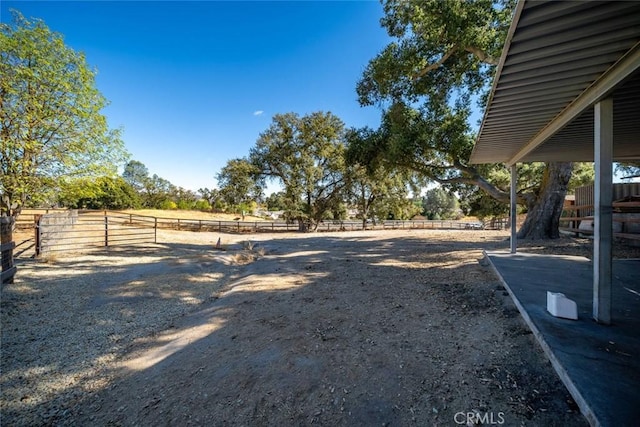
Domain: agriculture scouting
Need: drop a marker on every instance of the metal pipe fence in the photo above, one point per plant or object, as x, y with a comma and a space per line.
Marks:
73, 231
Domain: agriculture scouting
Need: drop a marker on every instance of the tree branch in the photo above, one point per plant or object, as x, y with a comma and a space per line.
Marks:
479, 53
482, 55
435, 65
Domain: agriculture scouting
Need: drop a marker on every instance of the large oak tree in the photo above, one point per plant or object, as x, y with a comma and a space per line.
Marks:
51, 124
306, 155
442, 60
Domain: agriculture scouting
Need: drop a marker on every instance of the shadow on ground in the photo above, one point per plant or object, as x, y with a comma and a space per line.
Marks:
362, 330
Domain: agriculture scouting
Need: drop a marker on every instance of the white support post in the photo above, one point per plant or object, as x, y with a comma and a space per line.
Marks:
603, 215
513, 211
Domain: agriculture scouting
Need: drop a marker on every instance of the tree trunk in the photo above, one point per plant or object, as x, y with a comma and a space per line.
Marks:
544, 210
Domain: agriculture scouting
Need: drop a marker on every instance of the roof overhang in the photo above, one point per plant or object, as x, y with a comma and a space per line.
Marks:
560, 58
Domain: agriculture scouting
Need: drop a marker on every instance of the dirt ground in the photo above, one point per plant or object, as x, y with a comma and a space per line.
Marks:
386, 328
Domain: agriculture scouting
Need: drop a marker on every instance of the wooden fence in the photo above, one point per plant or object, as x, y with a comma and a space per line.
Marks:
626, 219
578, 218
27, 220
65, 230
283, 226
6, 249
584, 196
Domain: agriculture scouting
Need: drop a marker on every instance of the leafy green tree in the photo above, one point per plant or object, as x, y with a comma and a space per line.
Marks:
443, 57
51, 126
583, 174
376, 183
157, 191
364, 191
98, 193
338, 212
136, 174
116, 193
306, 155
184, 199
202, 205
395, 204
437, 203
240, 184
167, 205
479, 204
276, 202
212, 196
76, 193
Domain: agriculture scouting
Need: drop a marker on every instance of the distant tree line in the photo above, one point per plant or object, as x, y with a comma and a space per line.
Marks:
134, 189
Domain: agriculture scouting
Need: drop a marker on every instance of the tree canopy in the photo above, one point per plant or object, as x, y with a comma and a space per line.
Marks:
51, 124
136, 174
240, 184
443, 58
98, 193
439, 204
441, 61
375, 189
441, 49
306, 155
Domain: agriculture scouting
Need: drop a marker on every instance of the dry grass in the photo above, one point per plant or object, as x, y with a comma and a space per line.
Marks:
181, 214
249, 254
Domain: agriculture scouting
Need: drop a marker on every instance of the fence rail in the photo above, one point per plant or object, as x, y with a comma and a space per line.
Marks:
626, 219
283, 226
73, 231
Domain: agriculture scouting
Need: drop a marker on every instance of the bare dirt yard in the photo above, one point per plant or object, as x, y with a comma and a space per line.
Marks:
356, 328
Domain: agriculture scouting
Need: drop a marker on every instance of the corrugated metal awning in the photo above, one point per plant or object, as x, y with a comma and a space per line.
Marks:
560, 58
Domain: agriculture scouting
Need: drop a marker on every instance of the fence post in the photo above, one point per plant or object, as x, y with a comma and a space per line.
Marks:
38, 235
8, 270
106, 230
155, 230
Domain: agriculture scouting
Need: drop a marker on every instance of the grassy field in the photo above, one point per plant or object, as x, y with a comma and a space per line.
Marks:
182, 214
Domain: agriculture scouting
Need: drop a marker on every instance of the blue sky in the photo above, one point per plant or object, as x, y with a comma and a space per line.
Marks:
194, 83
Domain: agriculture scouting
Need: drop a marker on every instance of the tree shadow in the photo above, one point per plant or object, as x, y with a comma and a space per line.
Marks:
323, 329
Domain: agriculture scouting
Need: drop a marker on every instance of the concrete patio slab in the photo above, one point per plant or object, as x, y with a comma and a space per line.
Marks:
600, 365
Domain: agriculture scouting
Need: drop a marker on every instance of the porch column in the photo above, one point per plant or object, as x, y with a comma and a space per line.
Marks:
513, 211
603, 194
